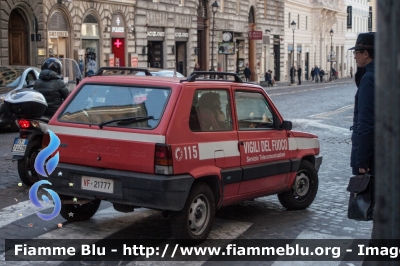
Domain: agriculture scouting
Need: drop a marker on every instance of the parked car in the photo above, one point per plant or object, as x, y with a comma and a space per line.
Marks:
13, 78
182, 146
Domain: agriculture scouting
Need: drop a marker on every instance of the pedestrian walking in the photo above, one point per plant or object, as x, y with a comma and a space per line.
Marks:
316, 74
197, 68
292, 74
247, 72
312, 74
321, 75
212, 76
299, 74
351, 72
362, 138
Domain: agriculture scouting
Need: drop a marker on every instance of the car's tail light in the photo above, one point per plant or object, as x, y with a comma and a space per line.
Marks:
24, 124
163, 160
46, 140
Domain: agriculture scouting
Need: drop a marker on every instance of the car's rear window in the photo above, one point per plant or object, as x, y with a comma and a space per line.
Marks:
96, 104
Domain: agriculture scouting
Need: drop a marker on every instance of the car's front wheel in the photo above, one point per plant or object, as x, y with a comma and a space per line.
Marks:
304, 188
194, 222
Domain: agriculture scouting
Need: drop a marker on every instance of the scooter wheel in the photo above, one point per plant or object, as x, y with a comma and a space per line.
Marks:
26, 166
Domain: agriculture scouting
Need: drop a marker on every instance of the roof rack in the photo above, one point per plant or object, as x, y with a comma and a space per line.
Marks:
212, 75
122, 71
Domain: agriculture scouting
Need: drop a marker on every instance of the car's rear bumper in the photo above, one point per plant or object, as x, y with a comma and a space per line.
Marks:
131, 188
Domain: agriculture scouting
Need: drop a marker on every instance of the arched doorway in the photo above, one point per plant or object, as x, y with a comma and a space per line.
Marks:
202, 38
17, 39
252, 44
58, 36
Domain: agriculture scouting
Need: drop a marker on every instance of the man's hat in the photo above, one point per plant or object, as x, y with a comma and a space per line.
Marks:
365, 41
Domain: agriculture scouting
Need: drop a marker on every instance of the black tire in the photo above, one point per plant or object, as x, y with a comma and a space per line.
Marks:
194, 222
80, 212
26, 168
304, 188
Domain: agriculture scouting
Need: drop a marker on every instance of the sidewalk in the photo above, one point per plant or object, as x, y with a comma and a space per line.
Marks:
286, 84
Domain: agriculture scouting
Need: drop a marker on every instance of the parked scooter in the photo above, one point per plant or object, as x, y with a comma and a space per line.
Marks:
28, 106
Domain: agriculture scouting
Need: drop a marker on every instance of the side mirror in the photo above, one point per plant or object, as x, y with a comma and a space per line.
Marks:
286, 125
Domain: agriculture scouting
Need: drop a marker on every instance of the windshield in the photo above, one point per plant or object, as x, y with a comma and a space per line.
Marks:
97, 104
10, 77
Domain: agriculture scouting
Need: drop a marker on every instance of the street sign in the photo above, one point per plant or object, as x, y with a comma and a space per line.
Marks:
331, 58
255, 35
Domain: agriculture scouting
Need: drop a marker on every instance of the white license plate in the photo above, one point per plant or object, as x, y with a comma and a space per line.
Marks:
98, 184
19, 146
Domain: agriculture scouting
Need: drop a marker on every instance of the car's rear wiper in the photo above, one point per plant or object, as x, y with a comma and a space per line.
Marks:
124, 121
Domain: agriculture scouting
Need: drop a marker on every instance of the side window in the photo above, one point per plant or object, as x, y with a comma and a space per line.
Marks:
210, 111
253, 111
30, 78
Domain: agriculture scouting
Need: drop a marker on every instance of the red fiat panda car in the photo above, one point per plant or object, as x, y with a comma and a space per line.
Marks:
182, 146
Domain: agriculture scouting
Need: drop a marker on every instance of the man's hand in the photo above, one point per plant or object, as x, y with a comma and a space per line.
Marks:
362, 170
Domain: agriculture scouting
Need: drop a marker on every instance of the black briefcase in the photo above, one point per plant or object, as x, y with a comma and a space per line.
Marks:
361, 202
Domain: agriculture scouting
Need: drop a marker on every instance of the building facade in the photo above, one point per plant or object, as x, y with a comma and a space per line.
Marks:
311, 44
357, 21
159, 33
372, 15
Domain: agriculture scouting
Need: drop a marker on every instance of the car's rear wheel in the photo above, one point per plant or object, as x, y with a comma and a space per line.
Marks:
304, 188
26, 166
79, 212
194, 222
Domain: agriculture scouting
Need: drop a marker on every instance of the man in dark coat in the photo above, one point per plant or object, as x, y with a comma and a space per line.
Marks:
247, 72
312, 74
268, 78
292, 75
299, 74
321, 75
51, 85
362, 139
362, 151
316, 74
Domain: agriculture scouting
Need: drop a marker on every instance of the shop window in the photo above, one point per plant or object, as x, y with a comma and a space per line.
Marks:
90, 43
90, 27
